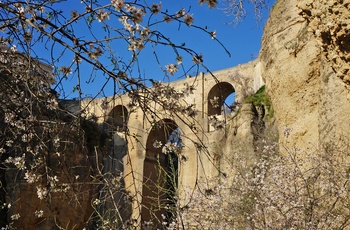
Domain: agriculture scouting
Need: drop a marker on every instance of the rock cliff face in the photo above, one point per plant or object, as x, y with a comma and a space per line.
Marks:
66, 208
305, 63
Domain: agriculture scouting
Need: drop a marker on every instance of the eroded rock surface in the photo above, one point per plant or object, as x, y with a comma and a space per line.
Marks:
305, 68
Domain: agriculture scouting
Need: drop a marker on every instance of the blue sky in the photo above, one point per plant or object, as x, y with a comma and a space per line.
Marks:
242, 41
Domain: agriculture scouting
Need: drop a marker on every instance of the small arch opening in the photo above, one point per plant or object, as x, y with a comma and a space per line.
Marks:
220, 98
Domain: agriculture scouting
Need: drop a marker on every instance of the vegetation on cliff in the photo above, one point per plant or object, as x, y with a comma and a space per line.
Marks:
260, 98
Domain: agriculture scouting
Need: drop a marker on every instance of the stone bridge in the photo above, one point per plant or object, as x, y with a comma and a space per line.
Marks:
135, 133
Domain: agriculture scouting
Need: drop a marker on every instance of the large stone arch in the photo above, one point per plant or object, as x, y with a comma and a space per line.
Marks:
217, 96
160, 174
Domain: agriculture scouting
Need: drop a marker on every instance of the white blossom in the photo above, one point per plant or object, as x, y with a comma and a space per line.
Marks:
170, 148
171, 68
157, 144
41, 192
39, 213
15, 216
30, 177
118, 4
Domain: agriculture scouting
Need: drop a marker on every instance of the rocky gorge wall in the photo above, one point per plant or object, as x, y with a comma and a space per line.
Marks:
305, 63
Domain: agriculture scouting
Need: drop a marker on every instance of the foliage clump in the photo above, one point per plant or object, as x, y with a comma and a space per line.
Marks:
261, 98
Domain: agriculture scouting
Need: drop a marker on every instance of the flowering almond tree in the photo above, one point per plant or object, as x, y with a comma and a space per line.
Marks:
298, 190
45, 42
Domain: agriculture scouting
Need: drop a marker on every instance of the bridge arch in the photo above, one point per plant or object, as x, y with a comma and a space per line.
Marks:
160, 173
217, 96
117, 119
